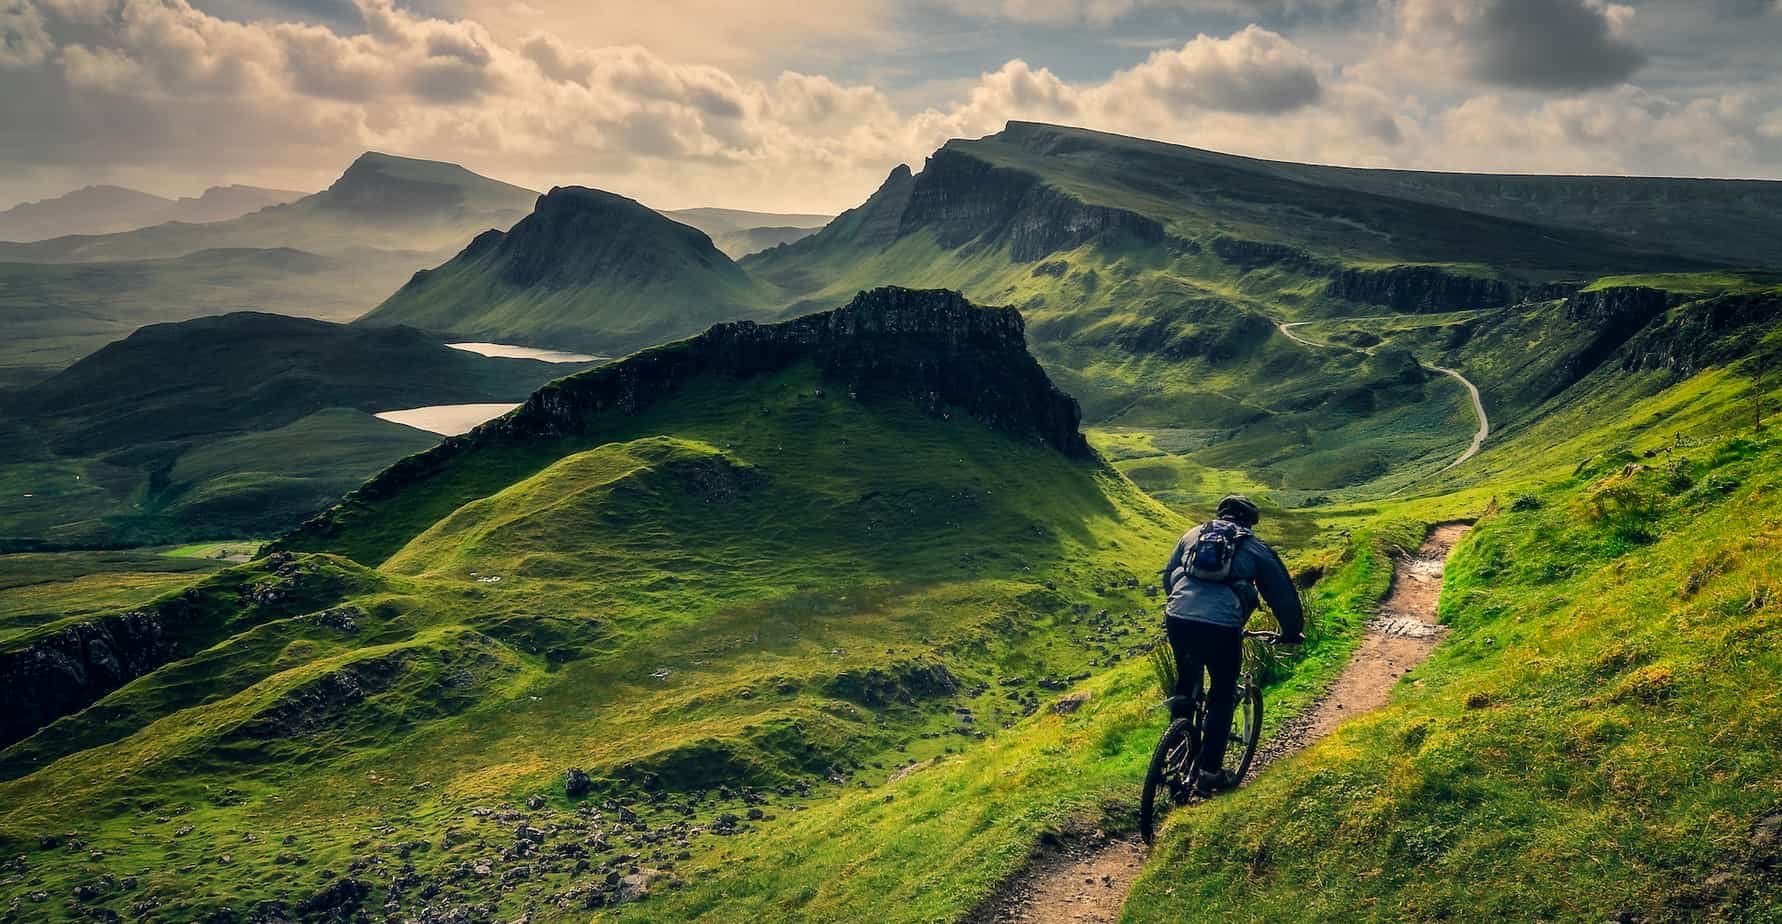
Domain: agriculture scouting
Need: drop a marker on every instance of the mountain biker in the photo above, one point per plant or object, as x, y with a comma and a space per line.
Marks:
1213, 580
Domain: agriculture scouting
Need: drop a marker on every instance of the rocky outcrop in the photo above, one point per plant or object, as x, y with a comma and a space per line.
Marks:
899, 684
1419, 289
931, 347
1612, 316
1703, 334
68, 669
962, 199
1258, 254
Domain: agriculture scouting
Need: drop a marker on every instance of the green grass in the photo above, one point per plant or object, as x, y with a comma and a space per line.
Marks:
42, 588
1597, 737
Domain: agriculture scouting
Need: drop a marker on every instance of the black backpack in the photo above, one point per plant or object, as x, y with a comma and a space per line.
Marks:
1211, 555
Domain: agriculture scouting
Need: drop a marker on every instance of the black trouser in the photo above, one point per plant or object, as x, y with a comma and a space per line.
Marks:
1220, 650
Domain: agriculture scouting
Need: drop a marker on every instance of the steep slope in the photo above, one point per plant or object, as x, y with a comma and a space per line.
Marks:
586, 270
232, 425
723, 577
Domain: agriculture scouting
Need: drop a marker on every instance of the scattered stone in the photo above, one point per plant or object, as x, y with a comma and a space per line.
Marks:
1066, 705
635, 887
576, 783
535, 803
337, 901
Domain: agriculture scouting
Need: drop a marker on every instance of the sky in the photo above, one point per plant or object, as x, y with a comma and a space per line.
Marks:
806, 105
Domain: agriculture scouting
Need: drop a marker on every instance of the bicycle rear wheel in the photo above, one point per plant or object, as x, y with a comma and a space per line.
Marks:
1246, 730
1166, 780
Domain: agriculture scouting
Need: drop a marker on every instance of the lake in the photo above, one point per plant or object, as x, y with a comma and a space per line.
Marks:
446, 419
510, 351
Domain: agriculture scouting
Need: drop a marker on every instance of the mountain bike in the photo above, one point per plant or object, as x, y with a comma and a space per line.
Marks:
1175, 764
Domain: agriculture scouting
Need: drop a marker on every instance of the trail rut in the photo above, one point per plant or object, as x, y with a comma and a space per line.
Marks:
1086, 881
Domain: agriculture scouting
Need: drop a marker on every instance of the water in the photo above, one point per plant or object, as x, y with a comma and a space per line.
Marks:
446, 419
510, 351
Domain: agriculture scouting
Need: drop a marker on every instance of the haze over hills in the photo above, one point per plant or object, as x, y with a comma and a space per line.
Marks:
739, 233
109, 209
330, 255
587, 270
252, 422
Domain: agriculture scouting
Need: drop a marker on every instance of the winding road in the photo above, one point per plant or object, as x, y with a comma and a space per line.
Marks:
1472, 390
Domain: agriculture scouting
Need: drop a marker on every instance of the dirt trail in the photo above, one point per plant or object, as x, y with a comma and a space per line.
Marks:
1479, 436
1086, 881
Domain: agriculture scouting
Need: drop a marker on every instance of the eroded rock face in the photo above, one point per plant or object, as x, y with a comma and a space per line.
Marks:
1614, 316
963, 199
65, 671
1701, 335
1419, 288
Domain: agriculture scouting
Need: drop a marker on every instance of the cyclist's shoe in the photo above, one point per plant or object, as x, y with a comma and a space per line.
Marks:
1180, 707
1214, 781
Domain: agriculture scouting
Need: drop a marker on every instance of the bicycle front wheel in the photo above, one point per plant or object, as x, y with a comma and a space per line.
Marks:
1166, 781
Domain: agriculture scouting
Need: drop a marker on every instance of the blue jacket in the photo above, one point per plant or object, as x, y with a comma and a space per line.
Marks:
1256, 571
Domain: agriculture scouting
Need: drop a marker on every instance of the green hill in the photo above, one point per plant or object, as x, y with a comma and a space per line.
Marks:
586, 270
742, 571
233, 425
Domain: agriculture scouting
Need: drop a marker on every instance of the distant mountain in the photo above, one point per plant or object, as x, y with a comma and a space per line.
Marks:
332, 255
587, 270
740, 233
109, 209
384, 202
232, 425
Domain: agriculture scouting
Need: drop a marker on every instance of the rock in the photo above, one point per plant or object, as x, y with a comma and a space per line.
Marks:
576, 783
1070, 703
337, 901
535, 803
756, 814
635, 887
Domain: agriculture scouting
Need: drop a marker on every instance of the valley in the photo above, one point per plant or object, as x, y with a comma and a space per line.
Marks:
608, 566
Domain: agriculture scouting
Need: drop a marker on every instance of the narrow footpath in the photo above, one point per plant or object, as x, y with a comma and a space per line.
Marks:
1086, 882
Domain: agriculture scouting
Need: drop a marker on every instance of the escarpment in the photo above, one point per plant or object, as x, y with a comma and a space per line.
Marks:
961, 199
1419, 288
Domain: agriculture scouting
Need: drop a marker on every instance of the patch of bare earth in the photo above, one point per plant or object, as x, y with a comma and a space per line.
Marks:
1085, 880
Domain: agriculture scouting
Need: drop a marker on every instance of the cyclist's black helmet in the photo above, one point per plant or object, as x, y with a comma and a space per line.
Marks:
1239, 509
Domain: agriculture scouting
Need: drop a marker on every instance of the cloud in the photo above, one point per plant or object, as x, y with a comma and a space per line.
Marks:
1541, 45
1105, 12
1255, 71
125, 89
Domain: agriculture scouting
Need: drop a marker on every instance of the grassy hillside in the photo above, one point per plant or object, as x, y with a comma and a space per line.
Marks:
767, 586
237, 425
1594, 742
586, 270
